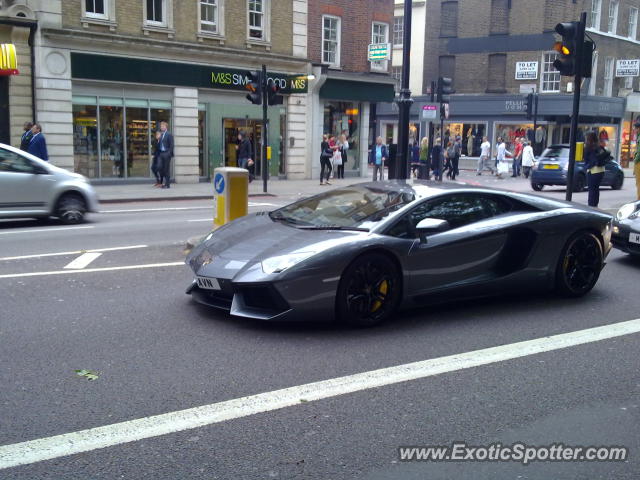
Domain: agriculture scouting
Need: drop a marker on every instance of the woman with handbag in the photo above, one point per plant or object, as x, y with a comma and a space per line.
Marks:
325, 160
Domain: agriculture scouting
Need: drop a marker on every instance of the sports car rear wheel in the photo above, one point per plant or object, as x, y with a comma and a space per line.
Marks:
369, 291
579, 265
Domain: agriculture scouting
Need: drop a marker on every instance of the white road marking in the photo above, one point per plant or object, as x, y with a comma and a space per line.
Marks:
167, 209
82, 261
38, 450
39, 230
201, 220
91, 270
76, 252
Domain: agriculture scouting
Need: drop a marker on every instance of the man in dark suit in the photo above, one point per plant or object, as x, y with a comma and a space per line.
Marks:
245, 154
38, 145
165, 146
26, 136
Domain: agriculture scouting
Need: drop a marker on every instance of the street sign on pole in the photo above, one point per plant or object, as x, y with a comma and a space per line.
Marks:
430, 111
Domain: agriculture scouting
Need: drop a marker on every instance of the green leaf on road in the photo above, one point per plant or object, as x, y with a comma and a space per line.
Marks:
88, 374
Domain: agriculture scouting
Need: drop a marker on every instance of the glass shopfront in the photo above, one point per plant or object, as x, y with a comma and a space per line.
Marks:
607, 135
344, 118
113, 136
470, 133
628, 143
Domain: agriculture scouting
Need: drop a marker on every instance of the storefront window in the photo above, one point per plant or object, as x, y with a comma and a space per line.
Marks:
470, 134
85, 140
111, 144
628, 143
138, 156
344, 118
607, 135
509, 133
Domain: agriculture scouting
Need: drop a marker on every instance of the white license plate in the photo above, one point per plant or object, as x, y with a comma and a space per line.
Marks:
634, 237
208, 283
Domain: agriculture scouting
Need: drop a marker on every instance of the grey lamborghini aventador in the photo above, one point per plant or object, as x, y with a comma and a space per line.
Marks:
360, 253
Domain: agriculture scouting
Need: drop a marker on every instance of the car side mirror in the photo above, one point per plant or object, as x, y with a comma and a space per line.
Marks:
427, 226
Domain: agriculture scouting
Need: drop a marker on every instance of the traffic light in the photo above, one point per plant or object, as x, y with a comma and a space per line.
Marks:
567, 48
587, 58
272, 93
444, 90
254, 85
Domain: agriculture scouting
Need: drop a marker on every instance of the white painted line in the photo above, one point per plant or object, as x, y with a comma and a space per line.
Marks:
201, 220
91, 270
130, 431
252, 204
167, 209
39, 230
76, 252
82, 261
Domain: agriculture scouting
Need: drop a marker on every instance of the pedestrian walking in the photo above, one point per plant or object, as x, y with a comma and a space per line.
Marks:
485, 155
325, 160
245, 154
437, 159
38, 145
501, 158
344, 148
517, 157
595, 158
156, 167
165, 144
377, 157
528, 159
636, 160
457, 152
423, 170
448, 156
26, 136
336, 156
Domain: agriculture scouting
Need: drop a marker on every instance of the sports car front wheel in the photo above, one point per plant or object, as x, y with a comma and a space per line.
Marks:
579, 265
369, 291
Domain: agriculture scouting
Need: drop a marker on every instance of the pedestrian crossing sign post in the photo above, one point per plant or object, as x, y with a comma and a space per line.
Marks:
379, 51
8, 60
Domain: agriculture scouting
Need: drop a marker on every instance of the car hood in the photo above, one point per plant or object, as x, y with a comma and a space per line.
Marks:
247, 241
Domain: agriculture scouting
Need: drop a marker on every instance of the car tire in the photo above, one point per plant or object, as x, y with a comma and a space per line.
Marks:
369, 291
579, 265
537, 186
71, 208
579, 183
618, 182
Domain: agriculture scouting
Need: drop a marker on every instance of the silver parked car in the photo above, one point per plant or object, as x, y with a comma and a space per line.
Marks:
33, 188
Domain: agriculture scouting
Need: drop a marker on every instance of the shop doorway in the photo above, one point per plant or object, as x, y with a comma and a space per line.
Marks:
253, 131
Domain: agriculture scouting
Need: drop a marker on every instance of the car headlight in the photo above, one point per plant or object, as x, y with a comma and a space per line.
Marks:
282, 262
626, 211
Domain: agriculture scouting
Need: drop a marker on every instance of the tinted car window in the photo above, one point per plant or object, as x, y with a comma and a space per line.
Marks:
457, 209
12, 162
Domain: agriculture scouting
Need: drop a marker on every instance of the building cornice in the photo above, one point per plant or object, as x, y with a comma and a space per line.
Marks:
157, 49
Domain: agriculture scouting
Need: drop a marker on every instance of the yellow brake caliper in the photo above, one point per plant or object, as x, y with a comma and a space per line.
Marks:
384, 288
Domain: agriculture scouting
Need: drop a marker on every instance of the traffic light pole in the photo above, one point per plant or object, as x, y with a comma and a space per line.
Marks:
576, 104
431, 131
405, 100
265, 103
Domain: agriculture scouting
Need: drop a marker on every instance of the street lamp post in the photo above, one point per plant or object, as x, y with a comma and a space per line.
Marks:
404, 101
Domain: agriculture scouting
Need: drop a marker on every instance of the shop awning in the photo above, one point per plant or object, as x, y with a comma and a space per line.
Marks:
338, 89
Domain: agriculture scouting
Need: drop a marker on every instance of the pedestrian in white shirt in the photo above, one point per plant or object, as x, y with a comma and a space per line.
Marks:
528, 159
501, 158
485, 155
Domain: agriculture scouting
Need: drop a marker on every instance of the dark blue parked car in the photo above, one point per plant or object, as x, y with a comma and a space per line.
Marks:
552, 169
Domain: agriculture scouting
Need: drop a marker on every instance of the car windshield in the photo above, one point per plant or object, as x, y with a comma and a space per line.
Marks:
556, 153
350, 207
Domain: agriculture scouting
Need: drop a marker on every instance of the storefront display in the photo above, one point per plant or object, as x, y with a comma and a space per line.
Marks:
470, 134
629, 143
343, 118
607, 135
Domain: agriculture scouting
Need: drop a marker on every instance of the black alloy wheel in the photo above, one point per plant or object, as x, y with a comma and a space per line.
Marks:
580, 264
617, 183
71, 208
369, 291
537, 186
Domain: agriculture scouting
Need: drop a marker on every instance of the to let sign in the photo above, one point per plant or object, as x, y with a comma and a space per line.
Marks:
430, 111
526, 70
627, 68
379, 51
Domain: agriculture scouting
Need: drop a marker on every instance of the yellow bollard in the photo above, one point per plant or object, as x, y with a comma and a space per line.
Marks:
230, 194
579, 151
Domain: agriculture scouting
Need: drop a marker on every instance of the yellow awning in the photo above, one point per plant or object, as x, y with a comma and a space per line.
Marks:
8, 59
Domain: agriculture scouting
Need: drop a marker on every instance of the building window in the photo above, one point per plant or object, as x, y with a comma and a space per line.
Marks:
608, 76
331, 40
628, 83
258, 20
396, 72
496, 79
550, 76
499, 17
210, 16
594, 14
95, 8
633, 23
398, 31
613, 16
449, 19
379, 34
594, 74
156, 12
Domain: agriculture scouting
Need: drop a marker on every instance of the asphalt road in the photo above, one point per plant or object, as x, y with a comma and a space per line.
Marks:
156, 352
